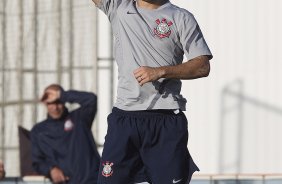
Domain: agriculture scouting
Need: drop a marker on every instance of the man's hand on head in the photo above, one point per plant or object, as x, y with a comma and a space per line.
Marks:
51, 95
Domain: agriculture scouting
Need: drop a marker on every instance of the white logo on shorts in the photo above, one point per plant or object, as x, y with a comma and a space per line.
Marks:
107, 170
176, 181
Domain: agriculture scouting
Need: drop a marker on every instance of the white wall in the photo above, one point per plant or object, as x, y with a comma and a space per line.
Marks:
236, 113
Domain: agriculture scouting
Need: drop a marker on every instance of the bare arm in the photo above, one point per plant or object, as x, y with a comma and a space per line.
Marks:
96, 2
195, 68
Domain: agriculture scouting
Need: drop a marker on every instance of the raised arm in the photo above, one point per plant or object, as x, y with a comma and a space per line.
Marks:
87, 102
193, 69
97, 2
109, 7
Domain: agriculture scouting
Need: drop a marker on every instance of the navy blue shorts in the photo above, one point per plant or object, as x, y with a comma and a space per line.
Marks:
146, 146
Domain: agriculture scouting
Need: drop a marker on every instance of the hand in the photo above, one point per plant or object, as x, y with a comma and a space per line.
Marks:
58, 176
51, 95
2, 171
146, 74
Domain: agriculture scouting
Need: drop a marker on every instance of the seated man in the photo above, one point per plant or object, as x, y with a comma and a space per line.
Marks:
2, 170
63, 147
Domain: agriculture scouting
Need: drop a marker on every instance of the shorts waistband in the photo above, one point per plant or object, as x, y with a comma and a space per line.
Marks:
153, 112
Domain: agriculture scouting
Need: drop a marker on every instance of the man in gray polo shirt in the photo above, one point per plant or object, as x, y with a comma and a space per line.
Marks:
147, 130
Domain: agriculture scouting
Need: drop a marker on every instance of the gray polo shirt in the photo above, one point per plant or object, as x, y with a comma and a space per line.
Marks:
154, 38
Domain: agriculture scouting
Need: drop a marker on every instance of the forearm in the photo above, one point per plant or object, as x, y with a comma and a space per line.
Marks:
87, 102
40, 162
193, 69
81, 97
40, 165
42, 168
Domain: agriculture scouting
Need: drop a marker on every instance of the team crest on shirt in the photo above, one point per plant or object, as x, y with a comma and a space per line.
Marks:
163, 28
107, 169
68, 126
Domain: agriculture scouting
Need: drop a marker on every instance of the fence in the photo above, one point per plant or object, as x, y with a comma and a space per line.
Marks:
197, 179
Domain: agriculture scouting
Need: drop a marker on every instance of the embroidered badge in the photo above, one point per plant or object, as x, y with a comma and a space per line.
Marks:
107, 169
163, 28
68, 125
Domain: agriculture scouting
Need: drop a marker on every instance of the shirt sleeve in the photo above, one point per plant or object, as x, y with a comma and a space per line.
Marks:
87, 102
109, 7
192, 39
40, 161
